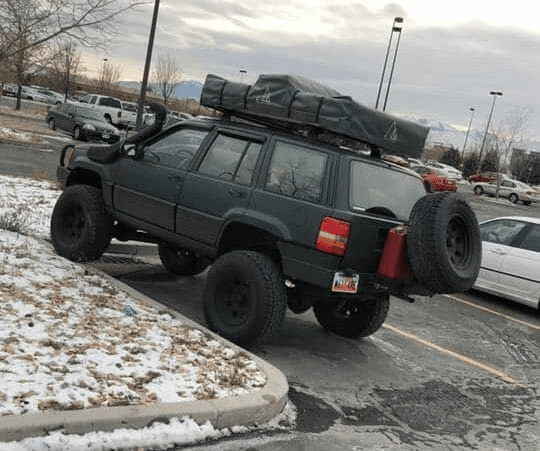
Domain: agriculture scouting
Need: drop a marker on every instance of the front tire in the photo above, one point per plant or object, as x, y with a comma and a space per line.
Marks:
351, 317
181, 262
77, 134
245, 299
52, 124
444, 245
478, 190
513, 198
81, 228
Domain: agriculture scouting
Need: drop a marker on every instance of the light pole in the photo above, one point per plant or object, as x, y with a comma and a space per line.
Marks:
467, 135
494, 94
394, 29
242, 73
398, 29
144, 83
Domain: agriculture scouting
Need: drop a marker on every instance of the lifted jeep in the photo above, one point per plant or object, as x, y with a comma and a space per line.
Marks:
284, 216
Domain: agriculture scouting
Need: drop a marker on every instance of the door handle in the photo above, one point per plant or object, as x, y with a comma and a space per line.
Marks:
176, 177
237, 193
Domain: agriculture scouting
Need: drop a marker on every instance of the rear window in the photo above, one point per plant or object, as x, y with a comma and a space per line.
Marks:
376, 187
110, 102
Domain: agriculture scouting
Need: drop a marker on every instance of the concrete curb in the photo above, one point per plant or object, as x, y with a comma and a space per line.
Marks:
250, 409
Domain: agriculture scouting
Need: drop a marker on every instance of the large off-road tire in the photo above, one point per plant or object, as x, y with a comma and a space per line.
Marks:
444, 244
182, 262
244, 299
351, 317
81, 228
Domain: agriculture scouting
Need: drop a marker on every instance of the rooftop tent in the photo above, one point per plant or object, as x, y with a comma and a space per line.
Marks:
297, 102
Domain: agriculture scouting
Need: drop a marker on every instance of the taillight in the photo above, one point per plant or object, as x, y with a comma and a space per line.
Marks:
333, 236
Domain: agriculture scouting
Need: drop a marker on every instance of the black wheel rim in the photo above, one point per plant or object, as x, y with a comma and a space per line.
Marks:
458, 242
73, 223
233, 302
345, 308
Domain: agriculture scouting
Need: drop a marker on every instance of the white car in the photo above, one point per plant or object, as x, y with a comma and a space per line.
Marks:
514, 190
511, 259
447, 171
31, 93
53, 97
129, 114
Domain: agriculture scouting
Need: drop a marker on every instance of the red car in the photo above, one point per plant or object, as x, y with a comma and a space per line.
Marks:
435, 182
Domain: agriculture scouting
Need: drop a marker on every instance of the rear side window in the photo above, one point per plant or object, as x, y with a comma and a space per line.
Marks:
503, 231
110, 102
231, 158
379, 188
297, 172
177, 149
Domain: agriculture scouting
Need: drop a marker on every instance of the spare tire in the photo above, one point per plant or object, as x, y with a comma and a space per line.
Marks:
444, 244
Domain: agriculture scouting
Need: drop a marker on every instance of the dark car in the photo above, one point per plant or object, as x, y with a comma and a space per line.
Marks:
85, 124
284, 219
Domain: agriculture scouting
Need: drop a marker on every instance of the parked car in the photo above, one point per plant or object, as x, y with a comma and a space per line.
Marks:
510, 265
514, 190
110, 107
487, 177
447, 171
82, 122
9, 89
284, 220
31, 93
433, 181
53, 97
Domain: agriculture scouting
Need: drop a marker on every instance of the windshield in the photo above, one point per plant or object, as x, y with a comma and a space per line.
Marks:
378, 186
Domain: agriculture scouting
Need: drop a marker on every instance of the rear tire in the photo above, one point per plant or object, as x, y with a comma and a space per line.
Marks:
52, 124
478, 190
351, 317
513, 198
444, 245
81, 228
244, 299
181, 262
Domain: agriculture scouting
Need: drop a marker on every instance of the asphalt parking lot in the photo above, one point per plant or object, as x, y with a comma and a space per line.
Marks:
447, 372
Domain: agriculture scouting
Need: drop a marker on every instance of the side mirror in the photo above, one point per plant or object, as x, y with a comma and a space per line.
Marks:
132, 151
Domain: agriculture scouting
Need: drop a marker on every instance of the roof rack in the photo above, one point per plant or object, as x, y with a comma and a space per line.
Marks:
301, 106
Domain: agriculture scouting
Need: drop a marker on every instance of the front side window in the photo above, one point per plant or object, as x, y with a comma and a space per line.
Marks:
379, 188
503, 231
531, 242
297, 172
176, 149
231, 158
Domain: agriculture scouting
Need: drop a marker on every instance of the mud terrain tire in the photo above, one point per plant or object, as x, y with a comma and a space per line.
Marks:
350, 317
244, 299
81, 228
444, 244
181, 262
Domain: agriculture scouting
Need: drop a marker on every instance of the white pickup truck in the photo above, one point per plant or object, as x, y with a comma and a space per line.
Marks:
111, 107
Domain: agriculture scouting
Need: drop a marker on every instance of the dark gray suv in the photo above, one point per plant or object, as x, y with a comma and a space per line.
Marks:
283, 219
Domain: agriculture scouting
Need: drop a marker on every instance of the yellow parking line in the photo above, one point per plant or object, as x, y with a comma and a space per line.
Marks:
494, 312
495, 372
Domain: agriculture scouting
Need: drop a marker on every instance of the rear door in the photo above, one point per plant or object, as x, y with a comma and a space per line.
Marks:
219, 188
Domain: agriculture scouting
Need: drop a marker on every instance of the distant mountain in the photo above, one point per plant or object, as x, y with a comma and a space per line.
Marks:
188, 88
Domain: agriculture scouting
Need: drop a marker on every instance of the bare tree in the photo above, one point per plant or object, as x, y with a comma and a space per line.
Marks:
64, 64
89, 22
166, 76
108, 75
27, 25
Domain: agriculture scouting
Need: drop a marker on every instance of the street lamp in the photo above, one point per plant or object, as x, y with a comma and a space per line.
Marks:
394, 29
398, 29
242, 73
467, 135
494, 94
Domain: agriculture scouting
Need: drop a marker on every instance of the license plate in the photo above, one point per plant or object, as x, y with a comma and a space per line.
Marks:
345, 283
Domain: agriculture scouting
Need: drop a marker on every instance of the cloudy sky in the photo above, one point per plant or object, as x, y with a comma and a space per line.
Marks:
450, 56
